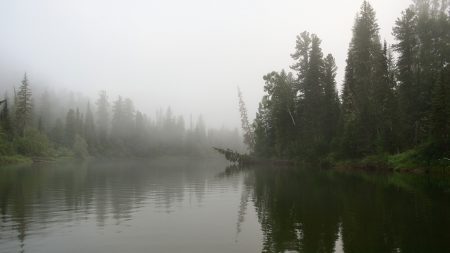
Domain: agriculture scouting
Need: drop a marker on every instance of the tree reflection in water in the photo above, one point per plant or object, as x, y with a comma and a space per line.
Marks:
185, 201
302, 210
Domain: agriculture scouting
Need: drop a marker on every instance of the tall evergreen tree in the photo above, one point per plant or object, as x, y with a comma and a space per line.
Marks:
70, 129
264, 134
312, 109
23, 106
331, 101
117, 125
89, 129
362, 81
408, 90
102, 116
423, 36
280, 105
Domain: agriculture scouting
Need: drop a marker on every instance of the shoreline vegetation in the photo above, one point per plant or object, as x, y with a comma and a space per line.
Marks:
52, 126
392, 114
407, 162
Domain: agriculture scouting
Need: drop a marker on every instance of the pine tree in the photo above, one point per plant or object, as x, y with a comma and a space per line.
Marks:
264, 136
102, 116
312, 105
331, 101
57, 134
70, 129
23, 107
117, 119
89, 129
407, 46
423, 35
362, 80
280, 105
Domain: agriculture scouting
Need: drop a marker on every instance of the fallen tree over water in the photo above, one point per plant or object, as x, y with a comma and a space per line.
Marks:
246, 160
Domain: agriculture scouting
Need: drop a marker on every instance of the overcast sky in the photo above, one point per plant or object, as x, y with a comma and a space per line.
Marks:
190, 55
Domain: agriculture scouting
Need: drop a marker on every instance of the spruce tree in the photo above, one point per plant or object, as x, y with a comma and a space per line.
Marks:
117, 118
102, 117
362, 82
70, 129
331, 103
408, 90
23, 106
89, 129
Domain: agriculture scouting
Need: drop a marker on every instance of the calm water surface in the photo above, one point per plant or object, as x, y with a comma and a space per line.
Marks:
178, 204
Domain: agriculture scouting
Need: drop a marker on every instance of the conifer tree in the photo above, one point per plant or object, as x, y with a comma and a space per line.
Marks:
331, 101
89, 129
362, 80
117, 118
102, 116
23, 106
70, 129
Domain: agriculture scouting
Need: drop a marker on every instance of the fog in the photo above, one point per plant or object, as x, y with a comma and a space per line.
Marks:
190, 55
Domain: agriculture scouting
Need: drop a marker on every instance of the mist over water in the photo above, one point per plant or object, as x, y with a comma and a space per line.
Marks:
225, 126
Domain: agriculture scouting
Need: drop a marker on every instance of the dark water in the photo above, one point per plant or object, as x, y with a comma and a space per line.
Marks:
190, 205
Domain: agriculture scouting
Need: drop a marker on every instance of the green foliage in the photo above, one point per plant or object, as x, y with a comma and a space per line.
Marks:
32, 143
6, 147
387, 106
14, 159
80, 147
102, 116
70, 129
406, 160
23, 106
368, 98
298, 117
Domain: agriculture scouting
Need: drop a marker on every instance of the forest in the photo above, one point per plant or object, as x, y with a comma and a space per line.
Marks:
394, 105
54, 125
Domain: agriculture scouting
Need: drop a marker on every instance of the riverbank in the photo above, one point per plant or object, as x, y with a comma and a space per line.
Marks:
14, 159
411, 161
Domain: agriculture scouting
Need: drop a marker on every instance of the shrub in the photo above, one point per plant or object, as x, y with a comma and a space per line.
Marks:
32, 143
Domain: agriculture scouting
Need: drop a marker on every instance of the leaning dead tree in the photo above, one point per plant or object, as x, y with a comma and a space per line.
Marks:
249, 137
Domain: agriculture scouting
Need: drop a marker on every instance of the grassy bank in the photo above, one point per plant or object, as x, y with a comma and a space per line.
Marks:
14, 159
412, 161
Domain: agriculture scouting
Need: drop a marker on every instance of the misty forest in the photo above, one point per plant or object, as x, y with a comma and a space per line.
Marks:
360, 164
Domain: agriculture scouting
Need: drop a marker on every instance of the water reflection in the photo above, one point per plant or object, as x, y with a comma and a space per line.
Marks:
307, 211
46, 198
165, 205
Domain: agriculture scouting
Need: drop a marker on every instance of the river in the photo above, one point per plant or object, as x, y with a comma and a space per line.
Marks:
182, 204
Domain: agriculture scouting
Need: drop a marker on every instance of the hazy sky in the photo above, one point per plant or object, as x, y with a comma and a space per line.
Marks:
187, 54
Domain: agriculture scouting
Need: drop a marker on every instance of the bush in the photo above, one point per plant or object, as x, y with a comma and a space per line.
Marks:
32, 143
5, 146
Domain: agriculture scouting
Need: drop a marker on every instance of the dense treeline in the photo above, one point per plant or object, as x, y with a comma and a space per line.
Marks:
55, 124
394, 98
